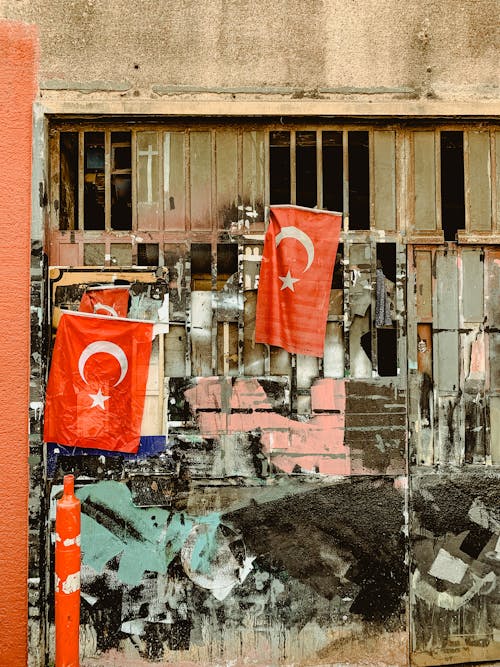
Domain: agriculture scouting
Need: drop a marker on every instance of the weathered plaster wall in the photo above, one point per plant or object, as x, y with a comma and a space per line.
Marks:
365, 47
18, 46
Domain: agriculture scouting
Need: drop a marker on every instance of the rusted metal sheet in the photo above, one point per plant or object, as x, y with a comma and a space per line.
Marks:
454, 547
288, 473
376, 427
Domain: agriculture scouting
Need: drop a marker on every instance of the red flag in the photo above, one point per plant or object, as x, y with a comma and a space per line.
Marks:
105, 300
97, 382
295, 278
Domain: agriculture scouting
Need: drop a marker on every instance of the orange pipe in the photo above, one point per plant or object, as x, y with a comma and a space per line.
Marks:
67, 572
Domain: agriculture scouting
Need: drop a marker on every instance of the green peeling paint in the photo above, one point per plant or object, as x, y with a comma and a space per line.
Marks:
206, 544
144, 538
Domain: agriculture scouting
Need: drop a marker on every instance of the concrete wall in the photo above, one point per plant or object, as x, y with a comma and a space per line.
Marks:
443, 50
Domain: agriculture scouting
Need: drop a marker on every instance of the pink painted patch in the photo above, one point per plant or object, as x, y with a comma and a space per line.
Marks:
316, 445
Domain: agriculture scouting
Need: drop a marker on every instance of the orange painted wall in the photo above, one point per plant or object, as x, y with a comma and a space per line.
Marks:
18, 68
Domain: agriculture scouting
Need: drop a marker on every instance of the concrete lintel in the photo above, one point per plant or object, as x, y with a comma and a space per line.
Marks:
67, 105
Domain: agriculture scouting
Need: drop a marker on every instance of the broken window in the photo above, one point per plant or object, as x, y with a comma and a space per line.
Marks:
359, 180
452, 184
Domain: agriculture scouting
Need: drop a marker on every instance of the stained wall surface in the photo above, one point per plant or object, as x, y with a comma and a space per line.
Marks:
441, 49
18, 45
281, 509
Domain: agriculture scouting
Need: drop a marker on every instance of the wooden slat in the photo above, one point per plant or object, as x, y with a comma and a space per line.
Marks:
495, 429
201, 333
254, 174
149, 204
423, 261
472, 285
384, 170
479, 181
201, 180
424, 155
446, 322
333, 360
175, 351
497, 178
226, 146
174, 181
254, 354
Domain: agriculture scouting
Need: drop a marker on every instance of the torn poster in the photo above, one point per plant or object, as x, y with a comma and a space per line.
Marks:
97, 382
295, 278
106, 300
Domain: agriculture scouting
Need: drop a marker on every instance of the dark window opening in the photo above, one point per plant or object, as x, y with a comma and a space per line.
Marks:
366, 338
338, 269
333, 171
306, 180
386, 259
201, 266
227, 263
385, 295
68, 214
148, 254
452, 184
121, 181
359, 180
279, 167
387, 352
94, 181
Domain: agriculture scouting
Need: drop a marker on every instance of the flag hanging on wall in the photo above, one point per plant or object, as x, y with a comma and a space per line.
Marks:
106, 300
97, 382
295, 278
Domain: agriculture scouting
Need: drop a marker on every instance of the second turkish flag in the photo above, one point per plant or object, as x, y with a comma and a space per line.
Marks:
97, 382
295, 278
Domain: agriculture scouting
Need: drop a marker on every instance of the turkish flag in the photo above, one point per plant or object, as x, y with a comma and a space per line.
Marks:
295, 278
105, 300
97, 382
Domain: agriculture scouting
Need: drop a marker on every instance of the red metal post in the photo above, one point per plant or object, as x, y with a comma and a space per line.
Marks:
67, 573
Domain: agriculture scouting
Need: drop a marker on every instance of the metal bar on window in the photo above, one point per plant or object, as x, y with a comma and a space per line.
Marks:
81, 178
107, 180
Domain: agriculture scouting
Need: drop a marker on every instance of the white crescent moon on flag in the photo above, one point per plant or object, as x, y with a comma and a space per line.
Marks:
109, 348
301, 237
107, 309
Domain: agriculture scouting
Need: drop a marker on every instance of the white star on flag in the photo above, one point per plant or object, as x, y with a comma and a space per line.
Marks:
288, 281
98, 399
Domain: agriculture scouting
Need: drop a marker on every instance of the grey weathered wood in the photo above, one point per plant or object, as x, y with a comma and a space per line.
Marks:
174, 180
423, 268
479, 181
226, 147
472, 285
384, 171
425, 181
495, 429
201, 180
253, 173
149, 198
175, 351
